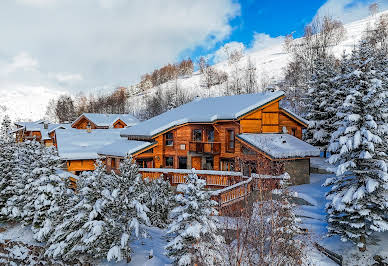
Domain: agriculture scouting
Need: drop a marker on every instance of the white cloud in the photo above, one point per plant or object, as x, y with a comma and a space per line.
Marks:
349, 10
73, 44
221, 54
21, 61
263, 40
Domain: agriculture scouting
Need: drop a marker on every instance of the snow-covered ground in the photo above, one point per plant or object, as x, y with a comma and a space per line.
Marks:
141, 248
314, 219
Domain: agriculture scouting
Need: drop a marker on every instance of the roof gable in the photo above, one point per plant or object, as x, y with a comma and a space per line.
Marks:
204, 110
107, 120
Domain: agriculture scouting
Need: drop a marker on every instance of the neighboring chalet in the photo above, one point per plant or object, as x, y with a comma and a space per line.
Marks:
245, 133
41, 131
79, 147
104, 121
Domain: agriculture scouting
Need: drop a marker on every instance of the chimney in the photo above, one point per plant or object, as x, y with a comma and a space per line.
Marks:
45, 125
89, 128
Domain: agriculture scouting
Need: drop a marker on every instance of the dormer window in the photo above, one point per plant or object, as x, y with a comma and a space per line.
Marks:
169, 139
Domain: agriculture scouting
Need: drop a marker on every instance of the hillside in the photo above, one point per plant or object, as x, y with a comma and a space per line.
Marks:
269, 62
30, 103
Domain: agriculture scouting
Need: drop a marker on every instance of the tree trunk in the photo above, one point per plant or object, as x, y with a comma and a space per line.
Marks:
362, 240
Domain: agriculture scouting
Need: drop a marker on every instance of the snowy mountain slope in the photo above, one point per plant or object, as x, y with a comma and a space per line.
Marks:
270, 63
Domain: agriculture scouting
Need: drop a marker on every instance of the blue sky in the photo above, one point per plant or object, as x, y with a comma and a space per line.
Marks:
281, 17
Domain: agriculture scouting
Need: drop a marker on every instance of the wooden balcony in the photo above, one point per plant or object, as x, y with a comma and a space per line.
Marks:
205, 147
214, 179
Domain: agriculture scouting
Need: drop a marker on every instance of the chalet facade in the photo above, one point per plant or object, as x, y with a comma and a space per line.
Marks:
78, 148
41, 131
246, 133
104, 121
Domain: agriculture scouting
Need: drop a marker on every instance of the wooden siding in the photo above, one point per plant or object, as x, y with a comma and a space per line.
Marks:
119, 124
292, 127
80, 165
83, 122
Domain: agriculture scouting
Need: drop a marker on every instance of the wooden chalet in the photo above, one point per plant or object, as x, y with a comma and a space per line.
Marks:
41, 131
104, 121
243, 133
78, 147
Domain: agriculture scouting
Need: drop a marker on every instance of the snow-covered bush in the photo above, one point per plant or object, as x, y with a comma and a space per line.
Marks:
358, 198
194, 227
160, 202
108, 214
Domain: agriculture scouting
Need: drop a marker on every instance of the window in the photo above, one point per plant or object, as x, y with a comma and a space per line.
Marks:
209, 163
227, 165
182, 162
197, 135
210, 135
230, 140
145, 163
169, 162
169, 139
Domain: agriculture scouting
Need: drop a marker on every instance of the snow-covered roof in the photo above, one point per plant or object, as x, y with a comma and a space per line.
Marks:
280, 145
123, 147
39, 126
78, 144
203, 110
107, 120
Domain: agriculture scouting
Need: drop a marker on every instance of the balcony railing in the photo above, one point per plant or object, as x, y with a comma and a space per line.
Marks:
205, 147
214, 179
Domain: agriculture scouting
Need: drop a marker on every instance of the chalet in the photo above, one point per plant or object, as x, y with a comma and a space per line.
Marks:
104, 121
244, 133
41, 131
79, 147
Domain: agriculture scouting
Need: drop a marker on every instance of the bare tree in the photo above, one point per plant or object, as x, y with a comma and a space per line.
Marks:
373, 9
250, 77
64, 109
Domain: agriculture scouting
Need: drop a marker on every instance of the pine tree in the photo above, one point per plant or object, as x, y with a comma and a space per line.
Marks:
358, 198
26, 155
160, 202
50, 195
7, 163
108, 214
321, 104
193, 226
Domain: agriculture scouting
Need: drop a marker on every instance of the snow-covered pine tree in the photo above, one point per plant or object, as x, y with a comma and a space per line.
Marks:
7, 163
320, 104
194, 227
5, 130
160, 202
358, 198
49, 195
26, 154
108, 215
43, 185
127, 211
71, 235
